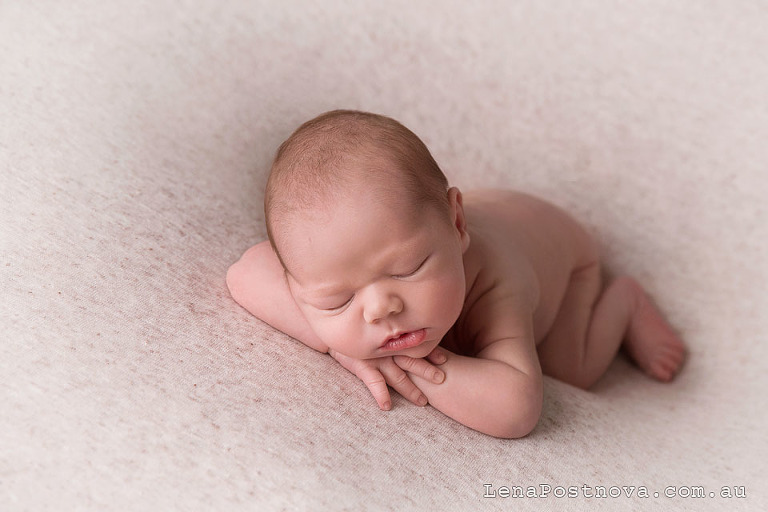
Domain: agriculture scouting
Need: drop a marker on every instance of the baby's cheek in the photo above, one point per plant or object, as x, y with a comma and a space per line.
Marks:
339, 334
447, 298
320, 328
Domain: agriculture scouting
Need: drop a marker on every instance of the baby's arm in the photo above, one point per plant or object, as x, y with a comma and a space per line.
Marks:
257, 282
498, 392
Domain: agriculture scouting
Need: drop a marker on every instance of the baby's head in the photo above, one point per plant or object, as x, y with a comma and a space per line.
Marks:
353, 202
329, 155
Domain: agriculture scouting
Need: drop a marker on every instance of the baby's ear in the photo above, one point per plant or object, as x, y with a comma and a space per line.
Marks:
457, 215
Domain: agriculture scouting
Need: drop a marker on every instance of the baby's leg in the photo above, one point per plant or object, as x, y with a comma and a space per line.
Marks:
590, 328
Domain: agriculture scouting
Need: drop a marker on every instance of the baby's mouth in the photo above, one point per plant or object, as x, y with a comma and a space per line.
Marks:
405, 340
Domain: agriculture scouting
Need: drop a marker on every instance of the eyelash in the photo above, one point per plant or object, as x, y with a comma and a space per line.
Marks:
409, 274
339, 307
399, 276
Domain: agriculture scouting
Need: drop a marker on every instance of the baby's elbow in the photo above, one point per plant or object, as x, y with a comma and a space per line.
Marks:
520, 414
520, 427
246, 273
234, 280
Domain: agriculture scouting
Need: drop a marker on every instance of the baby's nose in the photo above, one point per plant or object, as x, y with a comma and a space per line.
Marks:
381, 306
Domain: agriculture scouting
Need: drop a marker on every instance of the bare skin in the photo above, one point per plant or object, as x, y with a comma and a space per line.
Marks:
530, 301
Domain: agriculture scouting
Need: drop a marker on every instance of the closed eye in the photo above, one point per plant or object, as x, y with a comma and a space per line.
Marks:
337, 308
414, 271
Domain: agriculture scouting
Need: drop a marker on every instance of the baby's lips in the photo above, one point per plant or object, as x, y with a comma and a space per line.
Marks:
405, 340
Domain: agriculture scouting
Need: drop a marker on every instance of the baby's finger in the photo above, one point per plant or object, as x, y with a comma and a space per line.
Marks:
401, 383
377, 385
420, 367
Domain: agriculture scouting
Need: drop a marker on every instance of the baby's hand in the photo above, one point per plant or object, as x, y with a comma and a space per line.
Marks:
377, 373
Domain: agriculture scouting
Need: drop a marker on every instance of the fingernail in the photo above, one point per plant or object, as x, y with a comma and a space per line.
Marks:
386, 406
422, 400
439, 377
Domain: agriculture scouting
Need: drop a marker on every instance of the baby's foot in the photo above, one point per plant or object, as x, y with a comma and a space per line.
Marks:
651, 342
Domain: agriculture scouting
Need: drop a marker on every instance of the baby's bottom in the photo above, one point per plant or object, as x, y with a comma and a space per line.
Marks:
590, 327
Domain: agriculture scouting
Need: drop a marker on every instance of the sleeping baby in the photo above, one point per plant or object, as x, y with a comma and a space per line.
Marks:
458, 300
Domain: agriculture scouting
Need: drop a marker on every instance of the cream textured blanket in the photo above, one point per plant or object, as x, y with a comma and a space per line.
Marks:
135, 137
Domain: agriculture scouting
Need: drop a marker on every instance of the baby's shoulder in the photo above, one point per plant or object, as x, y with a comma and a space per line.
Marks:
500, 259
497, 265
519, 226
498, 222
511, 206
501, 287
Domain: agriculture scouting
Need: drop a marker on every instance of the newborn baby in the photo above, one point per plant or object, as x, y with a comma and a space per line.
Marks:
459, 300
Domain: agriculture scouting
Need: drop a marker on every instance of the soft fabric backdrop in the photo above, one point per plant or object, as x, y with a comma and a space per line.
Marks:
135, 138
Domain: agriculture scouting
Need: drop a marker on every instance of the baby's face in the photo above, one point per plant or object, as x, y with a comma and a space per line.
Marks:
373, 279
